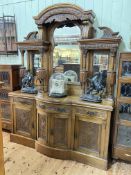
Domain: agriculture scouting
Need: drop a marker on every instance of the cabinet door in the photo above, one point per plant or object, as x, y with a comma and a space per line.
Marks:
59, 130
123, 126
124, 136
90, 135
6, 111
42, 127
24, 120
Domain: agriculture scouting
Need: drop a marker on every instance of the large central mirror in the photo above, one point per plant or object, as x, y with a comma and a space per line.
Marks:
66, 55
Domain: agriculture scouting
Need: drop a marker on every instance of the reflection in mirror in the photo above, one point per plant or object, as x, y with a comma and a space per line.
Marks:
100, 61
66, 55
36, 62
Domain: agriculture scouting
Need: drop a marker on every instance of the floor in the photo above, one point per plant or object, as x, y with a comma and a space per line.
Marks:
20, 160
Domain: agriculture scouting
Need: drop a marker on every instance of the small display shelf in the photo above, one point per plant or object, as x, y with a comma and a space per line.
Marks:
122, 136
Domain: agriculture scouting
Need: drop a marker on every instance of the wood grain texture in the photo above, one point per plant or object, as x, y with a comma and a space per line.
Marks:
68, 130
29, 162
1, 152
76, 130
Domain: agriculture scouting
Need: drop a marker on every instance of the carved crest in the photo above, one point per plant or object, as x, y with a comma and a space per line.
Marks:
32, 35
108, 33
63, 12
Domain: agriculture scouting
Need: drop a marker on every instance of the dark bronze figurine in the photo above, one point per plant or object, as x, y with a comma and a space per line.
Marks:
96, 87
28, 84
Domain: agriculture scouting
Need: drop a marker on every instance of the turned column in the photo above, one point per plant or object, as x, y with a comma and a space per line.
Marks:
22, 69
84, 68
41, 75
31, 65
28, 60
111, 73
22, 57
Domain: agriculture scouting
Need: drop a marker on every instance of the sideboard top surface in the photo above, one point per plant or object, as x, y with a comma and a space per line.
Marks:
69, 100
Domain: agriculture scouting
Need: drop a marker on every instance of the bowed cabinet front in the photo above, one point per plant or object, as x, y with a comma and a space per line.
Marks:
78, 132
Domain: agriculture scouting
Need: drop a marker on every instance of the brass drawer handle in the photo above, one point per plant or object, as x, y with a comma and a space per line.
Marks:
58, 109
90, 113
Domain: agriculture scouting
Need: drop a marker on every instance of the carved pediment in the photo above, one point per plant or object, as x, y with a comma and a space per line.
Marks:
62, 13
32, 35
108, 33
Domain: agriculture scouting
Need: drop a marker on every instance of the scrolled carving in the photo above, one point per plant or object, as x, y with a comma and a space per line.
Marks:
32, 35
23, 120
100, 46
113, 51
86, 30
84, 51
61, 18
108, 33
29, 47
63, 12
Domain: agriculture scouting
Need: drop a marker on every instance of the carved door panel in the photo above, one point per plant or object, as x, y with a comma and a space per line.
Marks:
59, 130
6, 110
23, 120
89, 135
42, 127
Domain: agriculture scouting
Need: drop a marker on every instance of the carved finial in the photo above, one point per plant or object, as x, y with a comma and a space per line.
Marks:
108, 33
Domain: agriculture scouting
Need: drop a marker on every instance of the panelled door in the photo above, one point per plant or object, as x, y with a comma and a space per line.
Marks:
59, 125
90, 134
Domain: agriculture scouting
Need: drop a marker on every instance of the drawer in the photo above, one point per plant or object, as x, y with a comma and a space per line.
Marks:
58, 108
90, 112
54, 108
23, 101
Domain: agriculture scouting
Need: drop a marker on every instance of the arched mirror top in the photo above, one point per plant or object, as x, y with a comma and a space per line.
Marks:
63, 12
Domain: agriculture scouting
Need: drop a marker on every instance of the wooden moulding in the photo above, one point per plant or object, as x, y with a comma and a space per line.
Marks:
2, 171
7, 125
22, 140
122, 153
74, 12
71, 155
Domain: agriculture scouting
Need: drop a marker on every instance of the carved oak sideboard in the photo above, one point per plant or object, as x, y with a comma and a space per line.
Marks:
9, 74
69, 128
24, 118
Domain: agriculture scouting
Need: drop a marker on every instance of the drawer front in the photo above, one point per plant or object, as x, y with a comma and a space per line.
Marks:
4, 94
58, 108
54, 108
90, 112
23, 101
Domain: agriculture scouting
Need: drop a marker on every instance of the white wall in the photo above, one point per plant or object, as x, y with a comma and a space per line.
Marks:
114, 14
